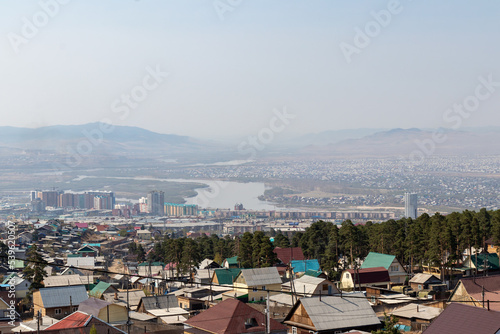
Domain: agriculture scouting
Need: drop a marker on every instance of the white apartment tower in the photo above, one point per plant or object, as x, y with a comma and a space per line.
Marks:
411, 205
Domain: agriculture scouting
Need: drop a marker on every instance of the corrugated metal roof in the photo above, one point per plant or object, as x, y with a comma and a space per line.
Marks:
60, 296
336, 313
464, 319
67, 280
417, 311
300, 266
160, 302
261, 276
377, 260
422, 278
226, 276
93, 306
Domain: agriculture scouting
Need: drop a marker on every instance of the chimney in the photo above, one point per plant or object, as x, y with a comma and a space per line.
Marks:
116, 295
417, 309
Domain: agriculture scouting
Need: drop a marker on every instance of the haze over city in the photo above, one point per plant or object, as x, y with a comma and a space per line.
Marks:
222, 70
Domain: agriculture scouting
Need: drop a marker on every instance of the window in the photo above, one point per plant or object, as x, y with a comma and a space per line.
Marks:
250, 323
420, 287
254, 289
325, 287
57, 311
75, 308
263, 288
294, 330
261, 298
394, 268
346, 275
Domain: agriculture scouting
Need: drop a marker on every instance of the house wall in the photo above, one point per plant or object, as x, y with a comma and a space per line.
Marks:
64, 311
116, 313
396, 272
346, 281
259, 294
300, 316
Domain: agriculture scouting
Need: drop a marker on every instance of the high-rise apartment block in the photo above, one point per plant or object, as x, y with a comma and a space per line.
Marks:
411, 205
156, 202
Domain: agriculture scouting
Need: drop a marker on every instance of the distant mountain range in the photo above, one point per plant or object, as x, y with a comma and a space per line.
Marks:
132, 142
402, 142
115, 140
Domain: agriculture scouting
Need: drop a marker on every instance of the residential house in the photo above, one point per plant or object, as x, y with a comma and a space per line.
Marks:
299, 267
332, 314
307, 286
157, 302
225, 276
482, 262
208, 264
60, 301
231, 317
465, 319
256, 283
106, 311
151, 269
231, 262
87, 251
353, 279
413, 316
102, 288
473, 290
389, 262
164, 308
143, 235
285, 255
21, 285
132, 296
423, 281
80, 322
67, 280
6, 311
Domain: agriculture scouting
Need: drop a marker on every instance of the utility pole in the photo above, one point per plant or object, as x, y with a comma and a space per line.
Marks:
268, 315
128, 308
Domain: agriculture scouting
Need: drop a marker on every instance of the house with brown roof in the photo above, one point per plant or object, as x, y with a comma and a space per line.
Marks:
285, 255
473, 290
353, 279
231, 317
465, 319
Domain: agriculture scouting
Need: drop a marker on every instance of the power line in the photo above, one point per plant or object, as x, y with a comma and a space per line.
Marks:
166, 280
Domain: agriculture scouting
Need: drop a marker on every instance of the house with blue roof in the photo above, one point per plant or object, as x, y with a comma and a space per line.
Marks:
396, 271
299, 267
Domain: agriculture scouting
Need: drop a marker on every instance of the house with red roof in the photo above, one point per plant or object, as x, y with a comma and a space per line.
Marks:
353, 279
231, 317
80, 322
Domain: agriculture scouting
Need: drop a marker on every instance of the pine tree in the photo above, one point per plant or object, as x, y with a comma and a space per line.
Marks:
34, 271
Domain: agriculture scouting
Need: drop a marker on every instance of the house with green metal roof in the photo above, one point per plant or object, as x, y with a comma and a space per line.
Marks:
231, 262
481, 262
225, 276
102, 288
397, 272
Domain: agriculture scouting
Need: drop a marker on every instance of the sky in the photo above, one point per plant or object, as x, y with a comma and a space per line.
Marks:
215, 68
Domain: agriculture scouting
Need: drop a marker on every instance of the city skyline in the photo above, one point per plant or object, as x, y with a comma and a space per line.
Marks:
208, 72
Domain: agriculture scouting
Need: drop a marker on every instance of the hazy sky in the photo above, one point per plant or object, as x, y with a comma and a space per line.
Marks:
231, 62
